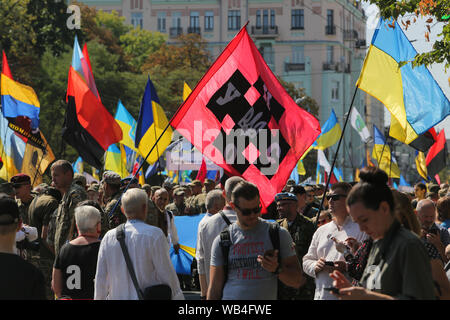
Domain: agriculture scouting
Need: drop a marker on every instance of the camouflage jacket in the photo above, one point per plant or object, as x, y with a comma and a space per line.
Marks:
23, 209
177, 211
302, 230
64, 220
116, 217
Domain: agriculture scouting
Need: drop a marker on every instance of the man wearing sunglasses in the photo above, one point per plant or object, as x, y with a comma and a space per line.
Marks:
322, 253
251, 269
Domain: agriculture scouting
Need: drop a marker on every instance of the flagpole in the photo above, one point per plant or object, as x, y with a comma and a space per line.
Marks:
39, 165
335, 157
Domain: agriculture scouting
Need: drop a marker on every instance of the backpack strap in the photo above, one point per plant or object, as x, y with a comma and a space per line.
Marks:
225, 243
274, 234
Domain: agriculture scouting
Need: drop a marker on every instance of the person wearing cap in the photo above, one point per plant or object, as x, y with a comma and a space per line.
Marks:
92, 192
62, 228
7, 189
39, 215
79, 179
22, 186
192, 207
19, 279
301, 230
302, 207
177, 206
111, 184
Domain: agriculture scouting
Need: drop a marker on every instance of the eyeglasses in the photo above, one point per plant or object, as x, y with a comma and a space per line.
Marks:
335, 197
247, 212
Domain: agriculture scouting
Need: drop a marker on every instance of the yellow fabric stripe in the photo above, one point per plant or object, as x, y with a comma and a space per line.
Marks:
189, 250
328, 139
19, 91
382, 79
384, 160
127, 139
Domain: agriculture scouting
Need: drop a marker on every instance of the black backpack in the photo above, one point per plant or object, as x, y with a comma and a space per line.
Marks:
225, 242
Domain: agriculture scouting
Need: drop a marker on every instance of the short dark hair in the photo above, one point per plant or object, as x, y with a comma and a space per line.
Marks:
297, 189
372, 189
421, 185
64, 165
246, 190
342, 185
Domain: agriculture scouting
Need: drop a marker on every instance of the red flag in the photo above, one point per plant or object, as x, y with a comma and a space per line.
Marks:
201, 175
438, 180
242, 119
5, 67
436, 156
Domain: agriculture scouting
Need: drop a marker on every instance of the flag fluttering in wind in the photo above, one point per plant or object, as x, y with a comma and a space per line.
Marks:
383, 156
359, 125
421, 164
186, 91
243, 120
88, 126
411, 95
201, 175
12, 150
331, 132
150, 125
437, 155
78, 166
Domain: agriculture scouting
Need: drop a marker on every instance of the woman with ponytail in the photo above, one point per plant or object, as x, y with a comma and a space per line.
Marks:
397, 266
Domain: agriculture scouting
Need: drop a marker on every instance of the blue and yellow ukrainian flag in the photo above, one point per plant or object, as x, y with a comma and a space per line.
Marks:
150, 126
331, 132
382, 154
78, 166
114, 160
12, 151
18, 99
127, 124
186, 91
412, 95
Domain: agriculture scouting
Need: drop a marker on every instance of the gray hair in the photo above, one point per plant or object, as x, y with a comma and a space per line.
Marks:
133, 200
87, 218
230, 184
425, 203
213, 197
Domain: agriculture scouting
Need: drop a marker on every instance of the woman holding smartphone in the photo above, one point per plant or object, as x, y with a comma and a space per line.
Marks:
398, 266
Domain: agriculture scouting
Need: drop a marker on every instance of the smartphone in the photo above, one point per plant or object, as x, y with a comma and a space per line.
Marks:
433, 231
269, 253
333, 290
329, 263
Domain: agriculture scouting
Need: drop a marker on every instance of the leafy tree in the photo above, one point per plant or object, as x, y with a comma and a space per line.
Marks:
439, 10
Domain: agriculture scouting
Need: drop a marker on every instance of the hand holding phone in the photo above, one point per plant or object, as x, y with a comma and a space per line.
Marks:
329, 263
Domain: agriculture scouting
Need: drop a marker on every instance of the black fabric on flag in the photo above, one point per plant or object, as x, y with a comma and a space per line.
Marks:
423, 142
75, 135
438, 162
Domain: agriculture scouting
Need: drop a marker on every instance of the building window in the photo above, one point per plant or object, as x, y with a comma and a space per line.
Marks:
330, 18
297, 19
194, 21
258, 19
267, 53
298, 54
330, 54
334, 91
137, 19
176, 19
272, 19
136, 4
161, 21
209, 21
234, 19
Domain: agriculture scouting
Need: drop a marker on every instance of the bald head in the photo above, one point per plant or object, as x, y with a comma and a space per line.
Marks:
426, 212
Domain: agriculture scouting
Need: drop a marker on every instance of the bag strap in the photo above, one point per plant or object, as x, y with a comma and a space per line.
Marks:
225, 218
225, 244
120, 236
274, 234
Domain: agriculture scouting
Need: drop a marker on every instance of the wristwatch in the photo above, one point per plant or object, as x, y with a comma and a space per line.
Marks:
277, 270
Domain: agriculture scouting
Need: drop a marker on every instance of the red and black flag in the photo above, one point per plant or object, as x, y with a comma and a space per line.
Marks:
88, 126
424, 141
437, 155
243, 120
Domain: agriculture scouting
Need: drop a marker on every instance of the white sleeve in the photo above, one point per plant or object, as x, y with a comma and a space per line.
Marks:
310, 258
101, 275
199, 251
173, 231
165, 272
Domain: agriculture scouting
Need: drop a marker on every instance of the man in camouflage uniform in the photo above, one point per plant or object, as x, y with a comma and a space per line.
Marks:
63, 228
302, 230
200, 199
177, 206
111, 183
22, 186
39, 215
192, 207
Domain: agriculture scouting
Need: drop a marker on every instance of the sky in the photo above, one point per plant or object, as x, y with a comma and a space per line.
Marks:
416, 32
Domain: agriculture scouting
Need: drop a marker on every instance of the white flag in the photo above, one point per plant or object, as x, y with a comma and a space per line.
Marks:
359, 125
322, 160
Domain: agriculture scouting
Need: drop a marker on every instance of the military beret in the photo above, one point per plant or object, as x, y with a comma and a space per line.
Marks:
110, 177
285, 196
9, 211
154, 188
20, 180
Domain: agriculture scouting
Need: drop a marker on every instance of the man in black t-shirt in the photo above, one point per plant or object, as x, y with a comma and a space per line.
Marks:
19, 279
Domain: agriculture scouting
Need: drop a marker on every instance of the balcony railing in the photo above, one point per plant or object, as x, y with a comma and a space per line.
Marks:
330, 29
194, 30
265, 31
175, 32
329, 66
360, 43
350, 35
293, 66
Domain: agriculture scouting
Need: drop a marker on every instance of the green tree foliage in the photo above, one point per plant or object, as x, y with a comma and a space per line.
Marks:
435, 11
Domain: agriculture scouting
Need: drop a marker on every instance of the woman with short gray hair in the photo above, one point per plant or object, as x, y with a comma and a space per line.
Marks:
75, 266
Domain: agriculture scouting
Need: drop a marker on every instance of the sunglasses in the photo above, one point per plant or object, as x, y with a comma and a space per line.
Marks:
335, 197
247, 212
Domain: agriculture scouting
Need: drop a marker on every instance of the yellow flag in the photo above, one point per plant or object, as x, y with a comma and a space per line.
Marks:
35, 161
421, 165
301, 168
186, 91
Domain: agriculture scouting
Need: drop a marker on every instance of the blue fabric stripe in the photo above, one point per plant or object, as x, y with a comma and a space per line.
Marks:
145, 119
378, 136
13, 108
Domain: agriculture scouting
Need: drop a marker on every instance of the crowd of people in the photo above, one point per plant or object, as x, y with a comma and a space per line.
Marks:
111, 240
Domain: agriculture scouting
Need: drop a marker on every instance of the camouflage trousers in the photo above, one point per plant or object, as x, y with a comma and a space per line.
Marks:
46, 267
